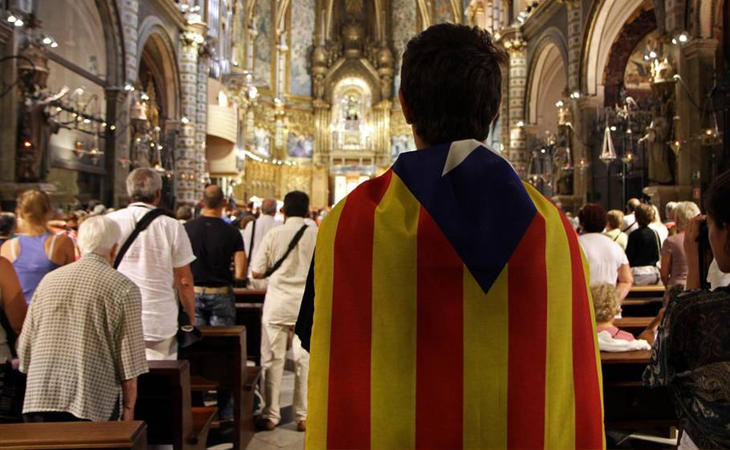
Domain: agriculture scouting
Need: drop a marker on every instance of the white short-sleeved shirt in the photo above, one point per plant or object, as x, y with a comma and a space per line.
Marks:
286, 285
263, 224
604, 257
149, 263
629, 224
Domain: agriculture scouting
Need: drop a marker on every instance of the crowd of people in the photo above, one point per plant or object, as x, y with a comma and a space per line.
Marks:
639, 249
88, 298
90, 306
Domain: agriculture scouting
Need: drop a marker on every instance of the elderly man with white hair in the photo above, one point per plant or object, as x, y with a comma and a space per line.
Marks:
81, 344
158, 261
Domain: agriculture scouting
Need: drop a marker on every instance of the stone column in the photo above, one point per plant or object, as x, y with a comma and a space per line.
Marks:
323, 135
117, 146
201, 123
574, 43
185, 160
581, 110
517, 154
697, 69
130, 19
381, 137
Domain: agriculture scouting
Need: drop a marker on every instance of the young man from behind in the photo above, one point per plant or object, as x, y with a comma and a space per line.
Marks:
451, 301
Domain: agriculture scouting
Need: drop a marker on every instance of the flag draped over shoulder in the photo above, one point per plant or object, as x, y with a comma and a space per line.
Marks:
451, 310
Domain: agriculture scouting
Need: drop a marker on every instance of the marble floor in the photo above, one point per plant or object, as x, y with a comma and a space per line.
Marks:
285, 436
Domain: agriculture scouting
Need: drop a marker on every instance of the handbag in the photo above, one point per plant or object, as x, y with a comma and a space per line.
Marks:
187, 333
12, 381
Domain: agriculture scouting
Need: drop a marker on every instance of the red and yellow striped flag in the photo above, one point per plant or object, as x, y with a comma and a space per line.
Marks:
451, 310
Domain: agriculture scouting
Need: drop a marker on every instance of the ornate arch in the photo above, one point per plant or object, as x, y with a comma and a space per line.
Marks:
110, 17
353, 68
155, 47
549, 60
606, 22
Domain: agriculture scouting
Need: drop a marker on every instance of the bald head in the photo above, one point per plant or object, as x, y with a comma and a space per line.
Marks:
268, 206
213, 197
632, 204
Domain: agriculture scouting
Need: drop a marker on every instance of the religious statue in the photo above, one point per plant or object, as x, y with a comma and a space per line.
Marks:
660, 131
562, 163
658, 151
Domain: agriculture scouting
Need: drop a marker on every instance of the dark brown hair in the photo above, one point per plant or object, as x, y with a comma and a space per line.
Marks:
451, 83
592, 218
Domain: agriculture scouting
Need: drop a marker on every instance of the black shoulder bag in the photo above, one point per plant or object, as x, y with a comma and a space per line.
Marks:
292, 244
187, 334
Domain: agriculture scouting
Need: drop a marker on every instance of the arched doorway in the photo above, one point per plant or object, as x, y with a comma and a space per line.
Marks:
86, 60
548, 84
155, 108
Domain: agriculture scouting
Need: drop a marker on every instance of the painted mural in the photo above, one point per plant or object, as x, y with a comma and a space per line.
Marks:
301, 35
298, 146
404, 15
262, 142
262, 46
442, 12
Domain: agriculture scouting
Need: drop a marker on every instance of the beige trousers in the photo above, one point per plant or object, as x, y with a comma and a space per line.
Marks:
165, 349
273, 356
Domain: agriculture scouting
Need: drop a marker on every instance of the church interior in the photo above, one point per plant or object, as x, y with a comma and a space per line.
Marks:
603, 101
266, 97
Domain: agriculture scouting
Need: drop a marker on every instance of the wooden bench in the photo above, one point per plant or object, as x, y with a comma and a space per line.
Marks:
249, 309
633, 325
628, 405
67, 435
163, 401
221, 358
638, 307
245, 295
646, 291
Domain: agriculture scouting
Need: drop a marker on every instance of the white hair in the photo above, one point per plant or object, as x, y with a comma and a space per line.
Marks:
684, 213
143, 185
669, 210
97, 235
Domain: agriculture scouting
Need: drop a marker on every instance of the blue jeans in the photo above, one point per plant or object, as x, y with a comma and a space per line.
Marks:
218, 310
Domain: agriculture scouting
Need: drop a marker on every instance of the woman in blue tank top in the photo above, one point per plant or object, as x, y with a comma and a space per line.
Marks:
36, 251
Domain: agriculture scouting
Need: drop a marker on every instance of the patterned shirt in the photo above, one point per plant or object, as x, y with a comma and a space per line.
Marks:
81, 338
691, 356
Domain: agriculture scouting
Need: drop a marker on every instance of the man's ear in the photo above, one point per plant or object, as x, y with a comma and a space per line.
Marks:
404, 107
113, 253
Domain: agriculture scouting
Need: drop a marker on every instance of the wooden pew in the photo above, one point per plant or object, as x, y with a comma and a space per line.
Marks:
76, 435
249, 309
163, 401
638, 307
221, 358
245, 295
627, 404
633, 325
646, 291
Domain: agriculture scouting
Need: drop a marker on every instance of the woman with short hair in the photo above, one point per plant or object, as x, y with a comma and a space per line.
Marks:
606, 260
36, 251
643, 248
674, 265
614, 222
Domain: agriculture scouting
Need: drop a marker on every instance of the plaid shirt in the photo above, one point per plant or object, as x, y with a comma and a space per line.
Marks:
81, 338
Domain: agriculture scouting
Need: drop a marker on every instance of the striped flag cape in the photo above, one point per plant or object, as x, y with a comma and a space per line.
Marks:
451, 309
